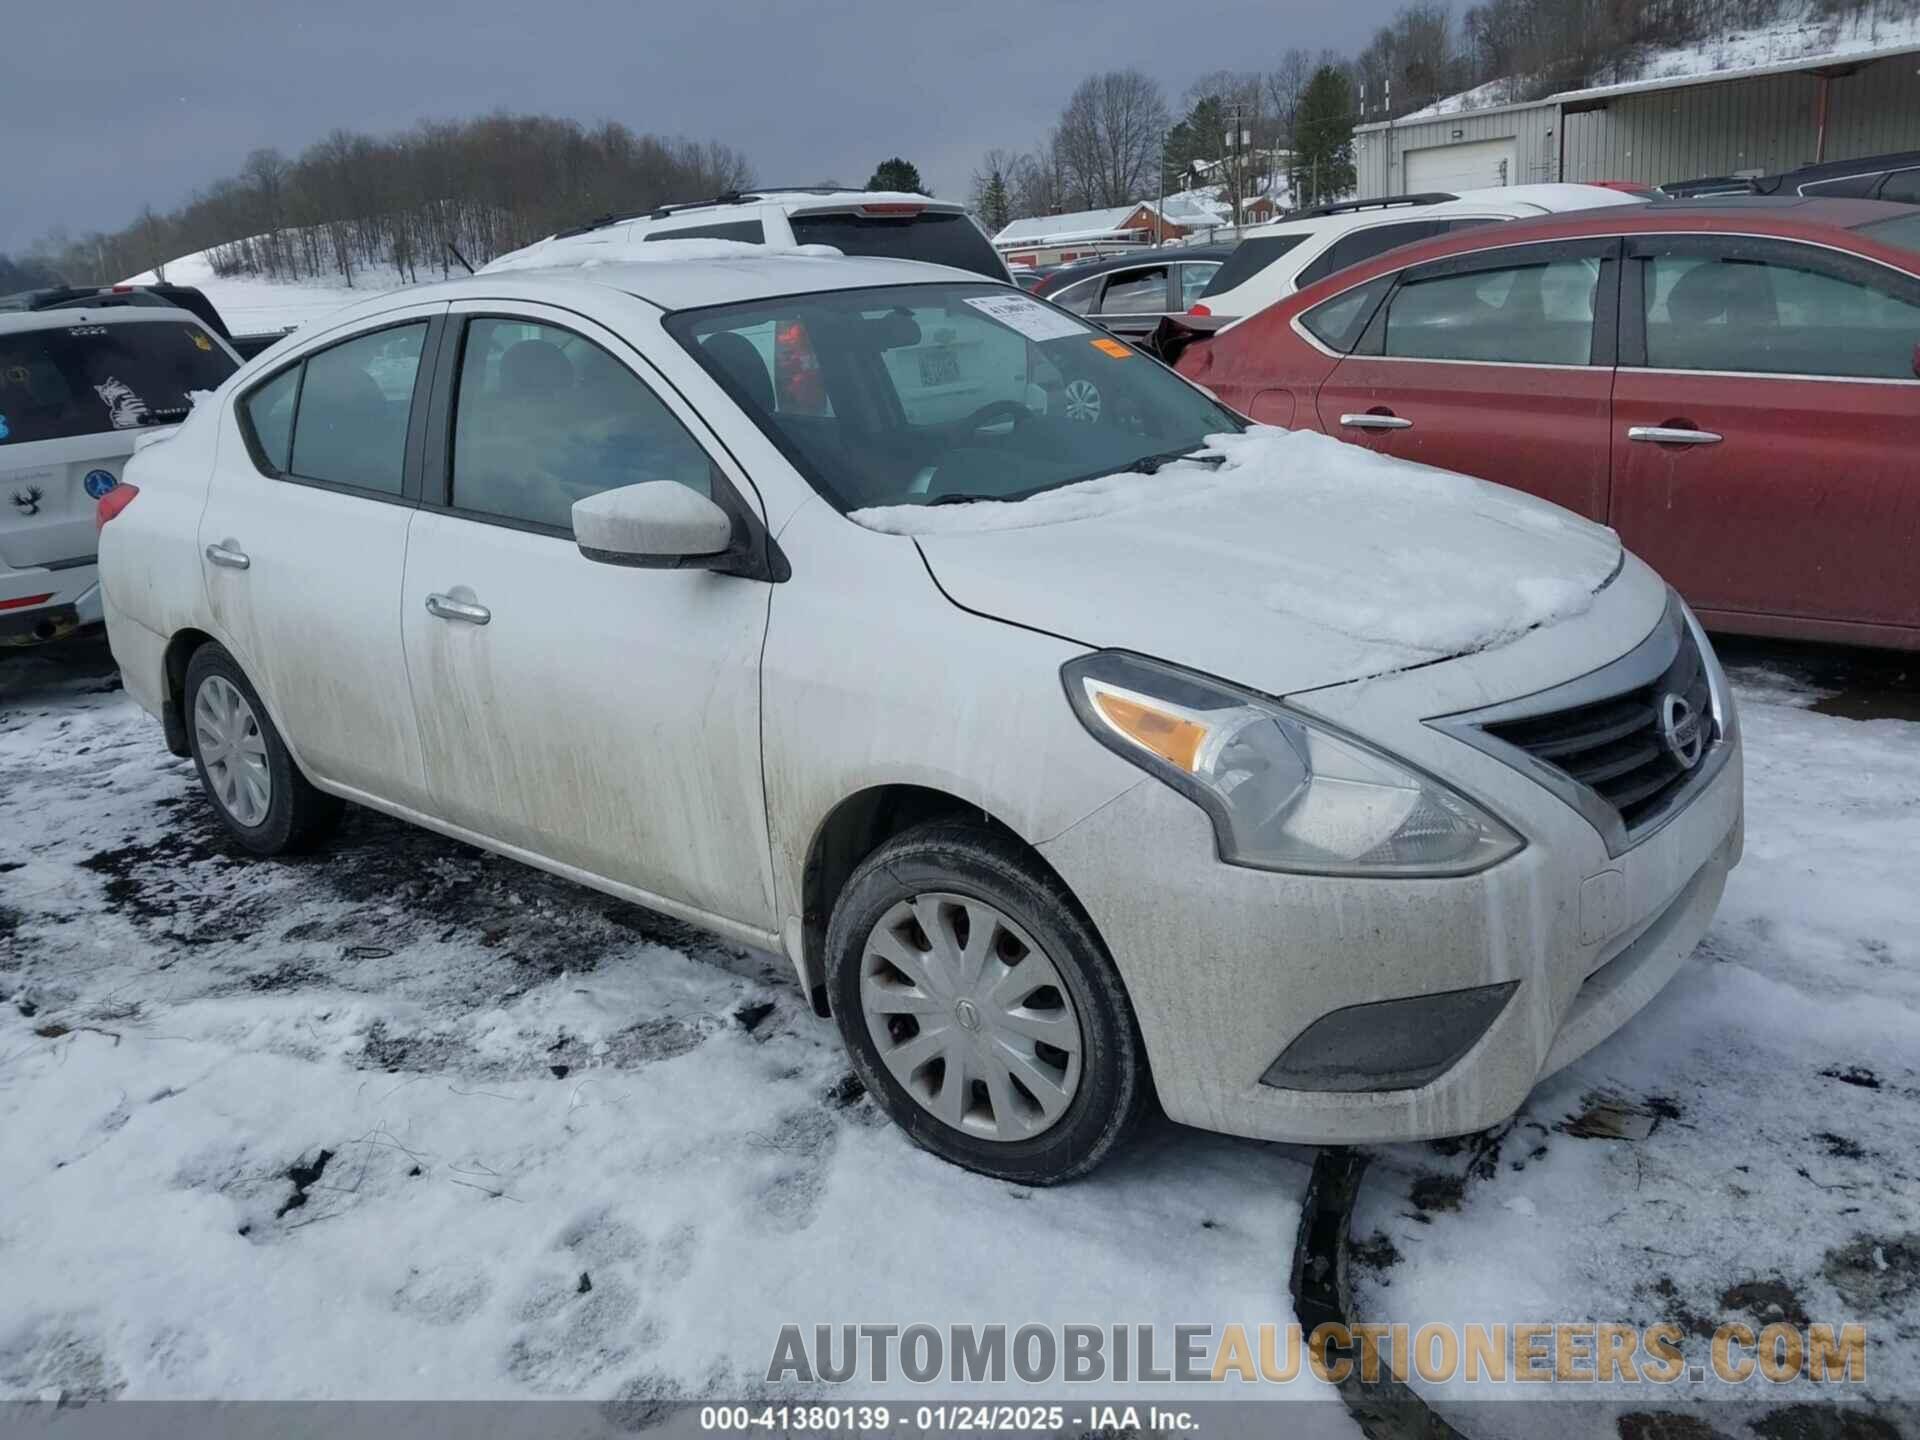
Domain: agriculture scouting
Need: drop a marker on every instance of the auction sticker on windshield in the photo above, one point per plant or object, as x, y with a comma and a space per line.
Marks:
1029, 317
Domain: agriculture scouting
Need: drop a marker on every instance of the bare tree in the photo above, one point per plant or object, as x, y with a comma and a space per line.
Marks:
1107, 144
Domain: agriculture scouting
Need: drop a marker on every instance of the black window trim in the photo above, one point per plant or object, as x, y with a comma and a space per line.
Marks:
409, 496
765, 562
1601, 352
1830, 260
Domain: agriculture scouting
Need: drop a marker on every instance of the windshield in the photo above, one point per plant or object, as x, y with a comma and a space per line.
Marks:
1902, 232
939, 237
929, 394
83, 379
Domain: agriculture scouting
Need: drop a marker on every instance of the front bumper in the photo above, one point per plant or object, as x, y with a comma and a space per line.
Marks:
1227, 966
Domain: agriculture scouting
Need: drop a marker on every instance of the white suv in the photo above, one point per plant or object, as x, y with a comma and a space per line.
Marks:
78, 387
1068, 752
1273, 261
897, 225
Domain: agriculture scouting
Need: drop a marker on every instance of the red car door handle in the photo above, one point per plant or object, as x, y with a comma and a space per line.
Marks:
1671, 435
1375, 422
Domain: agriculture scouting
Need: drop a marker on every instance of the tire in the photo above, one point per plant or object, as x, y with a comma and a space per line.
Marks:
290, 816
954, 877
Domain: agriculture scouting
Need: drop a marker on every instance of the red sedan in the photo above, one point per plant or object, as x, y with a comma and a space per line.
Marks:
1733, 385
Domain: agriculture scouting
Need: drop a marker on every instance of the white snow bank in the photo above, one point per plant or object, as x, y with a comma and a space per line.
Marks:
1414, 561
255, 305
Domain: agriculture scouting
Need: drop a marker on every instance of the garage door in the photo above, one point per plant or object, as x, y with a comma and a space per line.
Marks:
1471, 166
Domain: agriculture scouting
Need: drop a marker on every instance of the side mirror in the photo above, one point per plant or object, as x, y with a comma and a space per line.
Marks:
656, 525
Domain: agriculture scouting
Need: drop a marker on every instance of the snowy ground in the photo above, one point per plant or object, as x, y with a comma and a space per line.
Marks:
253, 306
1781, 1070
515, 1084
405, 1120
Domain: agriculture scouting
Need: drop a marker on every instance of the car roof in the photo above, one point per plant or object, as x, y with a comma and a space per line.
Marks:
13, 322
687, 275
1522, 200
1785, 217
1859, 165
1151, 254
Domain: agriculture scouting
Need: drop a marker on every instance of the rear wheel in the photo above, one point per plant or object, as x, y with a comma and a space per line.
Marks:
980, 1008
245, 767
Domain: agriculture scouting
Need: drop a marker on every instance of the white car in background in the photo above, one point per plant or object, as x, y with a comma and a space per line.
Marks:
895, 224
78, 388
1273, 261
1067, 753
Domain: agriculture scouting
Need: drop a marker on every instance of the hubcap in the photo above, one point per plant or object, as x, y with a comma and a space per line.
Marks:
970, 1016
233, 750
1083, 400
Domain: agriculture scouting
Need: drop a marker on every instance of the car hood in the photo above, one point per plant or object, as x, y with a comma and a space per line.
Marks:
1299, 562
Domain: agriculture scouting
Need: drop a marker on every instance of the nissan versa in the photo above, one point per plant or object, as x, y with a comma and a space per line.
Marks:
1073, 739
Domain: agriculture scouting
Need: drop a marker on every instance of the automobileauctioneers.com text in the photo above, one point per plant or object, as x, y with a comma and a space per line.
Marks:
1583, 1352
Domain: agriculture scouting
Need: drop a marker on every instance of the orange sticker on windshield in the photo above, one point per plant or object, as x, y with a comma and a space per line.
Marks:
1112, 347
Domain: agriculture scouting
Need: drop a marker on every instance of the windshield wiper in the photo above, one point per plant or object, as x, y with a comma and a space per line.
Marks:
958, 499
1150, 464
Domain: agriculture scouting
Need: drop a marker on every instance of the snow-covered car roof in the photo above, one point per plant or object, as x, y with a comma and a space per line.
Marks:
688, 274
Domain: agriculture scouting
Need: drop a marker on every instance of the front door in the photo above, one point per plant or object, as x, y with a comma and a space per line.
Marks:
602, 717
1491, 364
1766, 422
303, 542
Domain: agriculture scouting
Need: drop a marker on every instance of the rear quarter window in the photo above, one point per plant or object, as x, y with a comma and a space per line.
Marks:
86, 379
938, 237
750, 232
1248, 260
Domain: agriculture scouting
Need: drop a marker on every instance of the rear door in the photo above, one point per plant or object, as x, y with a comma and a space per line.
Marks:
303, 540
72, 398
1766, 422
1497, 364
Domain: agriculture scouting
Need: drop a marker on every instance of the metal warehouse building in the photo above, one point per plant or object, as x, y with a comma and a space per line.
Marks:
1762, 120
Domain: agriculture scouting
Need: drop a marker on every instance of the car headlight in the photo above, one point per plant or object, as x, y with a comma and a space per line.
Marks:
1284, 792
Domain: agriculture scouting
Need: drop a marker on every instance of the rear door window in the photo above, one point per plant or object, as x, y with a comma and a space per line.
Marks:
1338, 323
1136, 292
85, 379
1527, 314
939, 237
1903, 186
350, 423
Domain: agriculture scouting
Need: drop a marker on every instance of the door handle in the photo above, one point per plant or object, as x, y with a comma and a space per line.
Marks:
227, 557
1671, 435
1375, 422
448, 608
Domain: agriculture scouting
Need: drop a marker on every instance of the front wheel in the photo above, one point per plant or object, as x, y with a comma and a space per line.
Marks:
245, 767
980, 1008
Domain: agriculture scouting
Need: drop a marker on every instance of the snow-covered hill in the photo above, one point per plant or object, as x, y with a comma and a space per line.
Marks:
1800, 33
252, 306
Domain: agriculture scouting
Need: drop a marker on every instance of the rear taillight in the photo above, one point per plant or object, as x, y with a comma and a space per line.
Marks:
1199, 310
112, 503
23, 601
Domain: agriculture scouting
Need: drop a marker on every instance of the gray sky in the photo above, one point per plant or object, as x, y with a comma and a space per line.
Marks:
106, 105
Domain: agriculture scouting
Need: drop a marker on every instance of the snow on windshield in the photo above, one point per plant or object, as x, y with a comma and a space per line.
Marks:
1417, 561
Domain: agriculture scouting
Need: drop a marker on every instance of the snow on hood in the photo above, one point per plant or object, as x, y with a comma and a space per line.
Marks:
1300, 561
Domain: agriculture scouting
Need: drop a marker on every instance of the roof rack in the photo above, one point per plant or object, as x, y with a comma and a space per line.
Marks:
725, 197
1347, 207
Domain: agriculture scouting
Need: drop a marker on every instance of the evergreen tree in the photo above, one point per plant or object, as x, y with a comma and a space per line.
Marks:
1323, 138
898, 174
996, 206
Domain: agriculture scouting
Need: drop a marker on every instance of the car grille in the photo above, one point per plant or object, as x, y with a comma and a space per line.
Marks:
1614, 746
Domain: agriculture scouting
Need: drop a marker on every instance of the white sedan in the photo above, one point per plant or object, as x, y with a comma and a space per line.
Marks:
1073, 739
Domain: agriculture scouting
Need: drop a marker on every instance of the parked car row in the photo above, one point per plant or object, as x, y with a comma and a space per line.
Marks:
1732, 385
